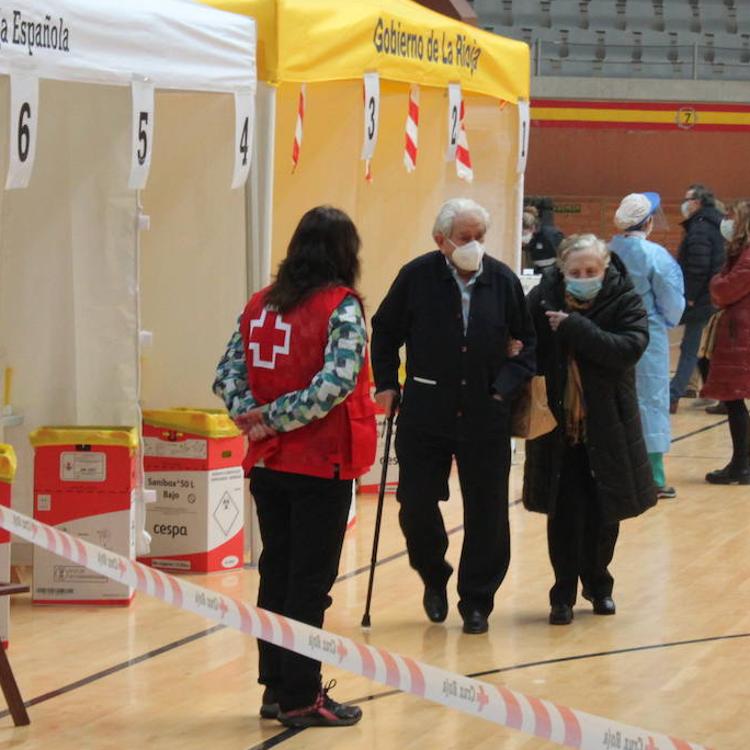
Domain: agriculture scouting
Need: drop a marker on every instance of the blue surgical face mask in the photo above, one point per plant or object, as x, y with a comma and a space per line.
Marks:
584, 289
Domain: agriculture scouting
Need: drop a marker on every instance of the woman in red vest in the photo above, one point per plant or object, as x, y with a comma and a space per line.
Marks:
295, 378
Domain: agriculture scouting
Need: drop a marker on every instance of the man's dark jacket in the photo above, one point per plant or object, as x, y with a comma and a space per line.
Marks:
451, 377
701, 255
607, 341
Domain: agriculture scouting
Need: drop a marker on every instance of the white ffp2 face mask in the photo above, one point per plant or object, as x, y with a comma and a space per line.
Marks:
685, 209
468, 257
727, 229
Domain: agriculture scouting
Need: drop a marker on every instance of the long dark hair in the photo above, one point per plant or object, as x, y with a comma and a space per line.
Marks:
323, 251
741, 238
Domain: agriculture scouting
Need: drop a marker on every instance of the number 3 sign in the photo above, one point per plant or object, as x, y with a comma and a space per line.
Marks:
372, 114
24, 108
142, 133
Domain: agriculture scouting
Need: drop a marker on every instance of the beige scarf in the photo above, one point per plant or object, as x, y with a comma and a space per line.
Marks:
573, 401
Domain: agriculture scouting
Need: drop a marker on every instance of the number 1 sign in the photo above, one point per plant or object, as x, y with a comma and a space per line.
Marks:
142, 133
24, 108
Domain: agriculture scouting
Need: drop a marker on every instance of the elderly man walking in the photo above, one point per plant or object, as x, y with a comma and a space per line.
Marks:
469, 349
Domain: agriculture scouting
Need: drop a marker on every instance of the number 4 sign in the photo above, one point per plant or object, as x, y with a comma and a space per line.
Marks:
142, 133
244, 112
24, 108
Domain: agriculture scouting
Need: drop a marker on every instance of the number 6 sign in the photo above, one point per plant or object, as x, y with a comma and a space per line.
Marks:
142, 133
24, 108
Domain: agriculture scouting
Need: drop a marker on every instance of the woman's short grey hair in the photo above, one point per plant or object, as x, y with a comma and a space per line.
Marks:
577, 242
458, 207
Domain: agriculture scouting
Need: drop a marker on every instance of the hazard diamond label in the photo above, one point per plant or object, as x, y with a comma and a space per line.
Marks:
226, 513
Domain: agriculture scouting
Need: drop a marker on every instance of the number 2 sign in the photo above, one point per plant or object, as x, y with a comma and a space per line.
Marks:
142, 133
454, 119
24, 108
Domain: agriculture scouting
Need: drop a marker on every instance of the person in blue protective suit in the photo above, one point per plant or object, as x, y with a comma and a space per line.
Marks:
657, 277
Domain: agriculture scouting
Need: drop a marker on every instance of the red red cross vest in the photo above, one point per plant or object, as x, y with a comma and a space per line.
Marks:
283, 354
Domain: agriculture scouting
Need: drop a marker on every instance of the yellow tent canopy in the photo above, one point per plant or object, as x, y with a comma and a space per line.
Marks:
300, 41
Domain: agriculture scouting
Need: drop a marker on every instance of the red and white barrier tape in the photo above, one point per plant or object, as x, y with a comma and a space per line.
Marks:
299, 129
411, 145
464, 169
498, 704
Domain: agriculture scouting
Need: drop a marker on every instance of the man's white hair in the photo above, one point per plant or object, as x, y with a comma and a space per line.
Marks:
458, 207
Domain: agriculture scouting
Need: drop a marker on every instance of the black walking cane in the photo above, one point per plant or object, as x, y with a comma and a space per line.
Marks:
379, 515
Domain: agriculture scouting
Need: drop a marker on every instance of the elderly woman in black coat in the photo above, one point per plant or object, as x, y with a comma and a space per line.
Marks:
592, 471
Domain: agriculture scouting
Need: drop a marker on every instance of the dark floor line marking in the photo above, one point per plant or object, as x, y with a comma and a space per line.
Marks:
118, 668
277, 739
390, 558
577, 657
698, 431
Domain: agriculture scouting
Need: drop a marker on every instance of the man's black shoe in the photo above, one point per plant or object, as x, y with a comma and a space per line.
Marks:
729, 475
560, 614
603, 605
475, 623
435, 603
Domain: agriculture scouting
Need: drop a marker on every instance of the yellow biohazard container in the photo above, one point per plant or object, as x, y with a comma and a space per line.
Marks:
84, 481
193, 461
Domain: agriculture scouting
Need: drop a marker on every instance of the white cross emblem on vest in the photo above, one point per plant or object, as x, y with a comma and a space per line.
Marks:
273, 337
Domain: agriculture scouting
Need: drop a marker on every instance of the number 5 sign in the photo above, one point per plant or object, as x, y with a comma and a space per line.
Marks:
24, 108
142, 133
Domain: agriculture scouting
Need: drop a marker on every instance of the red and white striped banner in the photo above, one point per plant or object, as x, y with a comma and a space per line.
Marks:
494, 703
463, 157
297, 146
411, 146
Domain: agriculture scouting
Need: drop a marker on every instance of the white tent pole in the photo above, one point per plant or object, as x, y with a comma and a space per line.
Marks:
519, 222
259, 193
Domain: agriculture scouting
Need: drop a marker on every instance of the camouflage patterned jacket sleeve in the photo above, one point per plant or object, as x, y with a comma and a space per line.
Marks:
344, 357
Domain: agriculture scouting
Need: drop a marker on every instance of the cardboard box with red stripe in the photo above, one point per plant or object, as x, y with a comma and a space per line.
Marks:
193, 460
84, 480
7, 474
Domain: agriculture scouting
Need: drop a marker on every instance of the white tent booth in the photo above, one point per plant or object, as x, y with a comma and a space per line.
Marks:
100, 99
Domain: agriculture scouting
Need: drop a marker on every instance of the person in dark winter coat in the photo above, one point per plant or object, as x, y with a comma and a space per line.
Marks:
456, 309
701, 256
729, 376
540, 241
592, 470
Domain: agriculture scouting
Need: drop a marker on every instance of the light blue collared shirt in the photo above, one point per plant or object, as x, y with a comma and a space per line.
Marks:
466, 288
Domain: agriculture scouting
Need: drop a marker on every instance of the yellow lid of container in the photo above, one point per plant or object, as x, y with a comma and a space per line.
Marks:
7, 463
211, 423
85, 435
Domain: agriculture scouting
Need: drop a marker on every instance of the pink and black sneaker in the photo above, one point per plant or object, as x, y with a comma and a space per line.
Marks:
324, 712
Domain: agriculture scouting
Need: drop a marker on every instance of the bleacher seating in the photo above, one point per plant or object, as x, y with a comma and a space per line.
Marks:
645, 38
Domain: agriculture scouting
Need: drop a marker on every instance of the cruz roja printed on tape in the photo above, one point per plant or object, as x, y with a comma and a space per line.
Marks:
494, 703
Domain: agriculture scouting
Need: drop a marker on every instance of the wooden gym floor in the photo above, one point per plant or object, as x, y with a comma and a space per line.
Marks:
674, 659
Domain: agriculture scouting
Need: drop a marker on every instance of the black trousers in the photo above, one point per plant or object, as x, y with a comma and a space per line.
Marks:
302, 524
483, 468
580, 544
